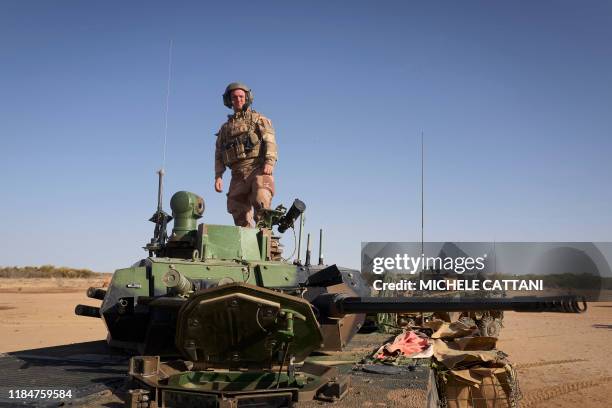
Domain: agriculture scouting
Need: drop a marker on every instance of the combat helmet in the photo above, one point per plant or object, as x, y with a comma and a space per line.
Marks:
227, 98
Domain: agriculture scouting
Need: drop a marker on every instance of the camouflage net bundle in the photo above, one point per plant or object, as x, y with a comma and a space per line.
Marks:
470, 371
498, 387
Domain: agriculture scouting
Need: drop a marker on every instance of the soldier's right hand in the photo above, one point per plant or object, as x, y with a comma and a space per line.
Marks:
218, 184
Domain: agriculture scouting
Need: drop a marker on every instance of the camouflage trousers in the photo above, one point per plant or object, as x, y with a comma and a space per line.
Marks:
249, 194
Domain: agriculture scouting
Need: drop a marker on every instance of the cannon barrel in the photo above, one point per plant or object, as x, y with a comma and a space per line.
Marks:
96, 293
339, 305
89, 311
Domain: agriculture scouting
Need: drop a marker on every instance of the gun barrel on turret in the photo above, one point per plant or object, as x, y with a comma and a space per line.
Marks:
339, 305
96, 293
85, 310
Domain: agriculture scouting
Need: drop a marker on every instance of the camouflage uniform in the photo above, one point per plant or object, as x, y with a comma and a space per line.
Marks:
244, 144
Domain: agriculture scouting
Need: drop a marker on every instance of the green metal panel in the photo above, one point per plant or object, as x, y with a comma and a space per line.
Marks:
241, 326
127, 282
212, 271
274, 275
229, 242
134, 279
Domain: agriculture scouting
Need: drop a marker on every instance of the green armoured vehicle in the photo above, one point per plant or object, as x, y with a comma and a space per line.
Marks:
218, 319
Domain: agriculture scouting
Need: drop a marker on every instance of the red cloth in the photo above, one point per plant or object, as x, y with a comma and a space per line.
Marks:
407, 343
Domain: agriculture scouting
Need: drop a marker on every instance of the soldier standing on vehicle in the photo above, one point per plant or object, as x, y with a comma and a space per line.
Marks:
245, 144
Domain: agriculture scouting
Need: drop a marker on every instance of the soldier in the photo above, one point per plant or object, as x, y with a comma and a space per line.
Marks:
245, 144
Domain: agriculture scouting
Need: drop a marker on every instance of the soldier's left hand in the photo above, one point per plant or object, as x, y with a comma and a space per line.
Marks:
267, 170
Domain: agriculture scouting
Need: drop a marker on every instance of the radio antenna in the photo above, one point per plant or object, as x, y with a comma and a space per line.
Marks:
167, 105
162, 170
422, 195
160, 218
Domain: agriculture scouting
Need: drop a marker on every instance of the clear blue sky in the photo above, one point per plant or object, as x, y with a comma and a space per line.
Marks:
514, 98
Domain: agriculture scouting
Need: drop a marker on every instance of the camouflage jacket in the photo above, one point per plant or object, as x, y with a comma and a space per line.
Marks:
245, 142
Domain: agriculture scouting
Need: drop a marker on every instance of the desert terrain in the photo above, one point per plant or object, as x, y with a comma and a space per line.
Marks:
39, 312
562, 360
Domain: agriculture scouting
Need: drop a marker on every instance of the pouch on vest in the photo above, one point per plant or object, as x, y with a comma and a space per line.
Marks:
251, 144
233, 152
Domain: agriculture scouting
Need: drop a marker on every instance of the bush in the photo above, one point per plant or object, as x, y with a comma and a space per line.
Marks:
45, 271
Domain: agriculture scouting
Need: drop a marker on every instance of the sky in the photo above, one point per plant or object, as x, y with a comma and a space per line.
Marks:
513, 100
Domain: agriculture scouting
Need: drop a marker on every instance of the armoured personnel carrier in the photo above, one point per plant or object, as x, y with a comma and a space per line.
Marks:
218, 319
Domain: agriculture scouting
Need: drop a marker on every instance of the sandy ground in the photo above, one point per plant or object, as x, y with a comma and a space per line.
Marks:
40, 312
562, 360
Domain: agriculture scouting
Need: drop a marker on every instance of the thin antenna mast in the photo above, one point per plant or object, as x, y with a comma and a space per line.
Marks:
160, 218
162, 170
422, 209
167, 104
422, 195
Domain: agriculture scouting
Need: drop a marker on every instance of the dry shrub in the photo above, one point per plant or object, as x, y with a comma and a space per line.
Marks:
46, 271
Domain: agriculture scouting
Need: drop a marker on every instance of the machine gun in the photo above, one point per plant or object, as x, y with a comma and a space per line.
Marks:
281, 217
161, 220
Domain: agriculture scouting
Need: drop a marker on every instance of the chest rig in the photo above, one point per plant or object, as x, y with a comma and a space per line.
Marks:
240, 139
